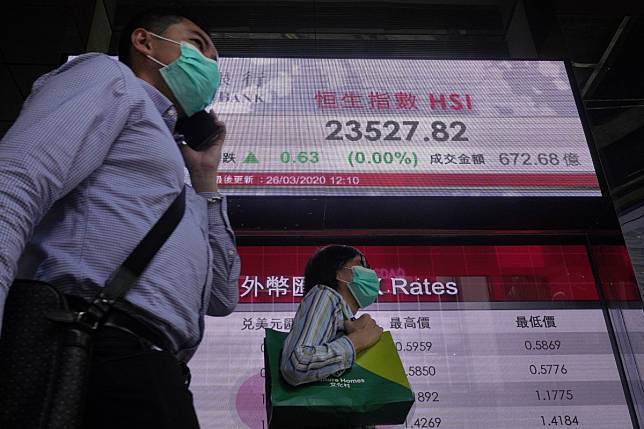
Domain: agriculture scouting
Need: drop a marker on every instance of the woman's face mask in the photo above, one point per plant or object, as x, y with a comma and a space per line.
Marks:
193, 78
364, 286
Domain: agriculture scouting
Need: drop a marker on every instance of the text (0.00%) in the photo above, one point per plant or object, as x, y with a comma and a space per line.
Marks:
376, 158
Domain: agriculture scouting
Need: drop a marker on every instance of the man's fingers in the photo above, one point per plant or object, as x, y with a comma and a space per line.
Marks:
220, 131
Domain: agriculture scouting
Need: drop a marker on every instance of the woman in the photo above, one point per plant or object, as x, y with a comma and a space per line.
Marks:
325, 336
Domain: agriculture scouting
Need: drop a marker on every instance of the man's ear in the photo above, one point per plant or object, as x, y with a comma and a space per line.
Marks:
141, 41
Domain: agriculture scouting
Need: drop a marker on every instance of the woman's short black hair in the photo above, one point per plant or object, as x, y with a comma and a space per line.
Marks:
322, 267
156, 20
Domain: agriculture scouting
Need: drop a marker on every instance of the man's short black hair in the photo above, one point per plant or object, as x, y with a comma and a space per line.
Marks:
155, 20
322, 267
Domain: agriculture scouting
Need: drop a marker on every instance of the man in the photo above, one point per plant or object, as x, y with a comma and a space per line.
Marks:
87, 169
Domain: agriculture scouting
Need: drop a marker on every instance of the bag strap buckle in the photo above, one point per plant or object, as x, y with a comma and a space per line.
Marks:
95, 313
87, 320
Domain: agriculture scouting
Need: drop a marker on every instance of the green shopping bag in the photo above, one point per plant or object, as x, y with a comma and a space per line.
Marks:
375, 391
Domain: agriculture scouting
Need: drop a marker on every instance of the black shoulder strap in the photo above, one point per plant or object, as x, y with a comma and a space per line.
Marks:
127, 274
124, 276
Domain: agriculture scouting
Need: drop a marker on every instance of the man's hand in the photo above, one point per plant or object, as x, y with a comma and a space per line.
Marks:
203, 165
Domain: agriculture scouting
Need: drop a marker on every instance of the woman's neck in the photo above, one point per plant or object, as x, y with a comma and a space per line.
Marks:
348, 297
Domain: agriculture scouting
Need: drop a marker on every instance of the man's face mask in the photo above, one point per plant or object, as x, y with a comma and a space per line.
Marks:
193, 78
364, 286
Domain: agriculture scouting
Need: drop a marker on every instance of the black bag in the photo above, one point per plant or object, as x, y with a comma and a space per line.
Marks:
45, 346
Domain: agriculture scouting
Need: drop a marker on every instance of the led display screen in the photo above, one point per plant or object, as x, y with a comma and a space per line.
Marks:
316, 127
490, 337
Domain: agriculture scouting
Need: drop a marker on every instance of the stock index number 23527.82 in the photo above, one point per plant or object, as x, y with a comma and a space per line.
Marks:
355, 130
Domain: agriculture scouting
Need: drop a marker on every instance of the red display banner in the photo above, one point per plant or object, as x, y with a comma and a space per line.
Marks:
433, 273
449, 180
